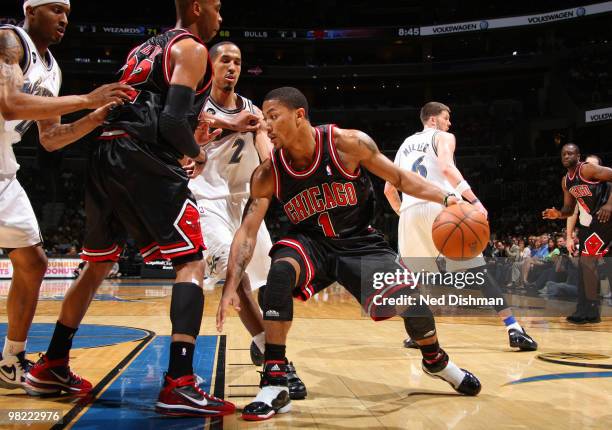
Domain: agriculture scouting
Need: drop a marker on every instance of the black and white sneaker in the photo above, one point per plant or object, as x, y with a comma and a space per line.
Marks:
297, 389
13, 369
257, 357
520, 339
461, 380
273, 398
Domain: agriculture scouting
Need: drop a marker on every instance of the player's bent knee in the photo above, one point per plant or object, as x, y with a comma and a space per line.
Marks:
186, 308
277, 298
419, 322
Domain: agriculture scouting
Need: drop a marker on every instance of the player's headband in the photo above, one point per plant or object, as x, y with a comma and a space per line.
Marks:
35, 3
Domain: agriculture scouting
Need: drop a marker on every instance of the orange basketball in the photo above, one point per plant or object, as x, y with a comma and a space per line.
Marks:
460, 232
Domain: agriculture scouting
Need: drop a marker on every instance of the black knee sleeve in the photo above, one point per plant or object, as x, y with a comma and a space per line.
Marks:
277, 298
419, 322
490, 288
186, 308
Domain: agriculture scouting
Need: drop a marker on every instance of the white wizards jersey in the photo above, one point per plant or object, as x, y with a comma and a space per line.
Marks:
42, 77
232, 158
419, 154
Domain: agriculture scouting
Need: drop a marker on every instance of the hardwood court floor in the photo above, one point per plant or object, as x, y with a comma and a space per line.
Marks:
357, 372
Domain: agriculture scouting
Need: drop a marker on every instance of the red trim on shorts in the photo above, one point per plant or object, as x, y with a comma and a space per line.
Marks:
110, 254
173, 246
305, 288
336, 158
151, 253
313, 168
171, 255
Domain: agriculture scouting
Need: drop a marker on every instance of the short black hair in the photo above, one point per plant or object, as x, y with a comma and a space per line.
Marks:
214, 51
290, 97
571, 144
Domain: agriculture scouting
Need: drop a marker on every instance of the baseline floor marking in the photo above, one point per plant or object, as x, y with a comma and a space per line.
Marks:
84, 402
129, 402
88, 336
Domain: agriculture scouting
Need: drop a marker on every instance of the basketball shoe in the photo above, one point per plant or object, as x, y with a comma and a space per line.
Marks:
520, 339
183, 397
257, 357
13, 369
461, 380
273, 398
54, 376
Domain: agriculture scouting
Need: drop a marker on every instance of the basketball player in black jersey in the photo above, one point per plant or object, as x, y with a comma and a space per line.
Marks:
137, 186
586, 184
316, 173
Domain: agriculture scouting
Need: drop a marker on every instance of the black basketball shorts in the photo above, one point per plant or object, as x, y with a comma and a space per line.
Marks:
133, 192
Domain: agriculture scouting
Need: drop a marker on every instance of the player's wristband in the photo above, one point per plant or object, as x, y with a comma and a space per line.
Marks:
445, 202
462, 187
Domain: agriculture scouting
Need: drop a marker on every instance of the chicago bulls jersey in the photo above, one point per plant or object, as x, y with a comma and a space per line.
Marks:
148, 71
325, 199
590, 195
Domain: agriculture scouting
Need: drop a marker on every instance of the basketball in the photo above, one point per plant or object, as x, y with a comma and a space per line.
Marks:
460, 232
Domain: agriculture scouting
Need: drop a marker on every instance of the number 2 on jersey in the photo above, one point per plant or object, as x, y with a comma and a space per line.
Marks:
236, 156
417, 167
325, 223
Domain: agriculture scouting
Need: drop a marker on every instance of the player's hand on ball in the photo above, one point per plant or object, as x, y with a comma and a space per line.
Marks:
551, 213
105, 94
603, 214
203, 135
227, 300
481, 209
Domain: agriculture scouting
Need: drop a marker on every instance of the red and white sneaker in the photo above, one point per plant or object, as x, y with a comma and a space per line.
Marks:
182, 397
52, 377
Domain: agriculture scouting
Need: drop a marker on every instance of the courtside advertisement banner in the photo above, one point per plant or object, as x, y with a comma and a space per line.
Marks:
517, 21
57, 268
597, 115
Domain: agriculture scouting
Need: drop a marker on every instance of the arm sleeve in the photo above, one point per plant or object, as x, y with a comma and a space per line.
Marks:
173, 124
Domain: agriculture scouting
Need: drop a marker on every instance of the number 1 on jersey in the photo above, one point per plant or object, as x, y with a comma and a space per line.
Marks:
326, 224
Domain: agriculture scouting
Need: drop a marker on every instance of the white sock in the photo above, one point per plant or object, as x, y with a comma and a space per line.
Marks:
260, 341
516, 326
451, 373
12, 347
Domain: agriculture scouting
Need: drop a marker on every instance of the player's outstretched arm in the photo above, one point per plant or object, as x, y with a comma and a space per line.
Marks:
243, 244
446, 145
244, 122
263, 144
359, 149
54, 135
569, 205
393, 197
15, 104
